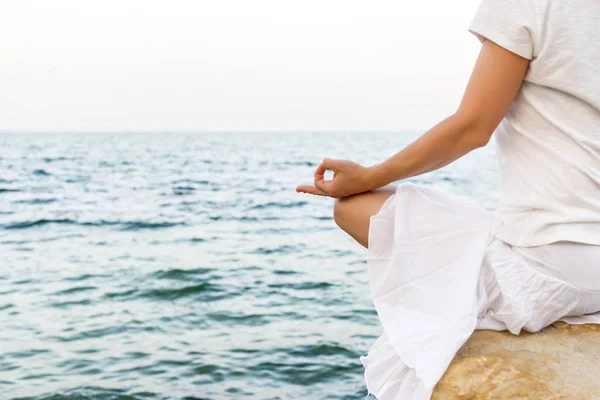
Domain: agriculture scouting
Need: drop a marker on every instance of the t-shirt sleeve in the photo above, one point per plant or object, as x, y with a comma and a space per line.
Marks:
508, 23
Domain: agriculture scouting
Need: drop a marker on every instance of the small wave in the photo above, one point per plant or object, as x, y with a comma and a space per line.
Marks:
53, 159
206, 291
285, 272
76, 289
301, 163
126, 226
191, 181
302, 285
307, 373
285, 249
99, 393
238, 318
184, 188
133, 226
279, 205
7, 190
64, 304
84, 277
323, 218
41, 172
176, 293
38, 222
323, 349
243, 218
35, 201
180, 274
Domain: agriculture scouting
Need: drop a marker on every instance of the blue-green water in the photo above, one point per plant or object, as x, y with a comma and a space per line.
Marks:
185, 266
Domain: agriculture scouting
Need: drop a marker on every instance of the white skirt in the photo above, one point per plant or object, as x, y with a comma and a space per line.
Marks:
436, 273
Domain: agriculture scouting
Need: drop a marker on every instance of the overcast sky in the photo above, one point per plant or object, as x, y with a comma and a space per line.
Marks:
232, 65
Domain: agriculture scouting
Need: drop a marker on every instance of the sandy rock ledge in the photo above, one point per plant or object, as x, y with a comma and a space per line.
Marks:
560, 362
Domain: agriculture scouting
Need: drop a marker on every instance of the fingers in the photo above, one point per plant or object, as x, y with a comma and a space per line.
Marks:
322, 185
310, 190
319, 173
329, 164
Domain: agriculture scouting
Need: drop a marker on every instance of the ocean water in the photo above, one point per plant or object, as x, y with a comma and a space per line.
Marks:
185, 266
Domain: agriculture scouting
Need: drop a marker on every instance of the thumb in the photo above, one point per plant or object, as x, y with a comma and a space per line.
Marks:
323, 185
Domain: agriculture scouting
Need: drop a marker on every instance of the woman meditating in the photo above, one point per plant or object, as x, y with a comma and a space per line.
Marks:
441, 266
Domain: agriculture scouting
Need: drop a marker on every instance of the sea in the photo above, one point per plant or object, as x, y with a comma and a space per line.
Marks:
185, 265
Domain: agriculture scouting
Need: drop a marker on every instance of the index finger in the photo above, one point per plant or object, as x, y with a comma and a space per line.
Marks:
320, 173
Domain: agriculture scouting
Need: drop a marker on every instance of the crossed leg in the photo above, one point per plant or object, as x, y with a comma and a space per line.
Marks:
353, 213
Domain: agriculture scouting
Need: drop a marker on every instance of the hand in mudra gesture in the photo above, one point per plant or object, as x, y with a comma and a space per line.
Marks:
348, 178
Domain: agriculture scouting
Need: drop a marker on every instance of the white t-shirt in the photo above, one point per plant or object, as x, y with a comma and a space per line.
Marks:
548, 145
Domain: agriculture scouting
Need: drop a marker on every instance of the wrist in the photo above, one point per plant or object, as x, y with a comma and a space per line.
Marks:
375, 176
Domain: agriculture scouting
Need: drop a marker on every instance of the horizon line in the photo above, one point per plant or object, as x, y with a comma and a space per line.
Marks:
172, 131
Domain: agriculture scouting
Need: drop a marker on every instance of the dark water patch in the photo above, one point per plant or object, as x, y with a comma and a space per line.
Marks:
321, 350
8, 190
275, 204
6, 306
243, 218
301, 163
35, 201
191, 181
41, 172
124, 294
23, 249
39, 222
125, 226
36, 376
302, 285
96, 393
54, 159
91, 350
199, 289
25, 353
306, 373
181, 274
183, 190
25, 281
285, 249
84, 277
246, 268
78, 365
138, 225
92, 334
323, 218
206, 369
239, 318
77, 289
67, 304
245, 351
285, 272
359, 316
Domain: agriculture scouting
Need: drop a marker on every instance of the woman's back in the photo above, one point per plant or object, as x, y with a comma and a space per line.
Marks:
549, 142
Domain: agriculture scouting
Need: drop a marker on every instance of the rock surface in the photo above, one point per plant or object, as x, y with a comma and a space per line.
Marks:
561, 361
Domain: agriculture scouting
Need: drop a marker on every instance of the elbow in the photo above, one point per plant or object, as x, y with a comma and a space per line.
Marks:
473, 132
479, 140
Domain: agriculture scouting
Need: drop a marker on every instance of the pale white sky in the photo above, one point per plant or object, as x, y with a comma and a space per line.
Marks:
232, 65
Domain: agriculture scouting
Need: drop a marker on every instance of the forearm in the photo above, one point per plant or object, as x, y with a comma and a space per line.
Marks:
444, 143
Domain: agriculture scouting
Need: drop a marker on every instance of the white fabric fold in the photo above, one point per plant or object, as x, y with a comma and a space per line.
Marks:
436, 273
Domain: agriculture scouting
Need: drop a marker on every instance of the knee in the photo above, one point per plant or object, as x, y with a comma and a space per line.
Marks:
340, 210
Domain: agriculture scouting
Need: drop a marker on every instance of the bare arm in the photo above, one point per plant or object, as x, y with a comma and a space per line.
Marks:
493, 85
